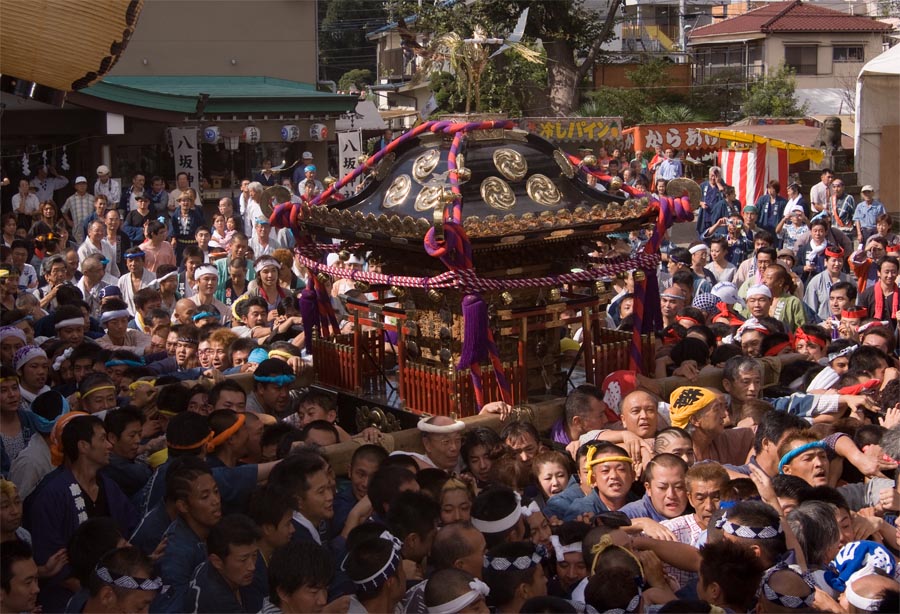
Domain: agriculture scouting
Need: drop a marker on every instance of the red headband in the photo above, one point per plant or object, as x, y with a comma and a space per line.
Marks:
856, 313
689, 319
801, 334
775, 349
838, 253
671, 337
893, 249
860, 388
726, 312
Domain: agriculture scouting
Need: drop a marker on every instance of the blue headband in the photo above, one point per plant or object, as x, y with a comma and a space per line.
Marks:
204, 314
46, 426
104, 261
813, 445
134, 255
281, 380
120, 362
310, 168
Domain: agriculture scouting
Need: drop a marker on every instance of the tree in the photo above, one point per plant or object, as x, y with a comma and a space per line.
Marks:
343, 45
773, 96
356, 79
569, 31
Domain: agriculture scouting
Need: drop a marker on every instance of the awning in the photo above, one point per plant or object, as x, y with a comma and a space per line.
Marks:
366, 118
680, 136
796, 153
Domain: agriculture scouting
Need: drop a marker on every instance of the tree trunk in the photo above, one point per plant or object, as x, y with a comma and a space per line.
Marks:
562, 75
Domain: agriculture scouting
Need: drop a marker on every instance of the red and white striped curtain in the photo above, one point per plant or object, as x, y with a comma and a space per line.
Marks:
749, 170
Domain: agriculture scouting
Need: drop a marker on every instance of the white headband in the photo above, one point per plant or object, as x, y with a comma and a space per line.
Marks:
857, 600
498, 526
561, 551
168, 275
267, 262
13, 331
426, 427
479, 591
26, 354
106, 316
759, 290
70, 322
703, 247
531, 508
205, 269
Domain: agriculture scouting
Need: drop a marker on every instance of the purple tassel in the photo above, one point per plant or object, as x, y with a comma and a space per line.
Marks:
475, 339
309, 312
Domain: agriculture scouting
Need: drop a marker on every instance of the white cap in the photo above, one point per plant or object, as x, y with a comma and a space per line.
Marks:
307, 155
867, 188
81, 179
103, 170
205, 269
759, 290
726, 292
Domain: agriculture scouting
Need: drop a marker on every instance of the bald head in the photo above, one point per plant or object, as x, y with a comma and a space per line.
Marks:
185, 310
639, 414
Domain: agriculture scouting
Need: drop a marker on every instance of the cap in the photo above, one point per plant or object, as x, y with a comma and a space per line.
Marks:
787, 253
727, 292
309, 168
307, 155
103, 170
867, 188
262, 221
751, 209
109, 291
81, 179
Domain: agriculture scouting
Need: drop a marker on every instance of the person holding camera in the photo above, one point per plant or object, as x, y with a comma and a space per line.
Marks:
712, 201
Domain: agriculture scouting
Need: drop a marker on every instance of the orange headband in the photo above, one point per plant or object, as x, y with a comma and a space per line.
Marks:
203, 442
56, 451
801, 334
225, 435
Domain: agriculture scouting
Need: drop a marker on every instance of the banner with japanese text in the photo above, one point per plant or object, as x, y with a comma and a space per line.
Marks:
683, 137
349, 150
586, 130
187, 154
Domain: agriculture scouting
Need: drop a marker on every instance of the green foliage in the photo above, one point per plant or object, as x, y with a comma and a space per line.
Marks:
356, 79
773, 96
720, 97
672, 113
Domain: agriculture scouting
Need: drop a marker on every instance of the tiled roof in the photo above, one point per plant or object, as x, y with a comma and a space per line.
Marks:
792, 16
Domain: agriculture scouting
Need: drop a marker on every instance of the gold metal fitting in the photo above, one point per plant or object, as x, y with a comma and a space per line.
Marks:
328, 181
447, 196
361, 286
398, 291
639, 276
435, 295
554, 295
324, 278
362, 159
600, 287
589, 160
615, 183
507, 298
343, 255
463, 173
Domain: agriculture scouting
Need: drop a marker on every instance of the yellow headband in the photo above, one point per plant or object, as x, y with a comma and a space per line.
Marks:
687, 401
141, 382
225, 435
4, 273
96, 389
12, 377
604, 544
590, 461
280, 354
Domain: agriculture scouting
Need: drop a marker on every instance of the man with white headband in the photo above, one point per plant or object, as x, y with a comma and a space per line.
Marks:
33, 367
670, 303
69, 322
114, 318
497, 513
452, 591
137, 277
515, 574
866, 593
375, 566
207, 278
442, 440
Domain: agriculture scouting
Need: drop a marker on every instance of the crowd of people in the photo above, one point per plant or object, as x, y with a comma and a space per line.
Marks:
161, 451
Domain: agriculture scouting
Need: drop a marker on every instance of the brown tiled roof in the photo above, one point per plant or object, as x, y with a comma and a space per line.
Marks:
792, 16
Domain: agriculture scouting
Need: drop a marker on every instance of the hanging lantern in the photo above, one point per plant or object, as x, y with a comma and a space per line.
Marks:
318, 132
211, 135
290, 133
250, 135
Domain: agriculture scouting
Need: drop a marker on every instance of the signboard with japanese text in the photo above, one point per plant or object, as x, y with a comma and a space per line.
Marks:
683, 137
349, 150
587, 130
187, 155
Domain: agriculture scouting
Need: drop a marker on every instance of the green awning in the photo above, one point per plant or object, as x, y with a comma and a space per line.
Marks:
180, 94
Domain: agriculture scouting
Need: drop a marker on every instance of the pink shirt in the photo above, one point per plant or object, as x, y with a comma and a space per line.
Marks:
153, 256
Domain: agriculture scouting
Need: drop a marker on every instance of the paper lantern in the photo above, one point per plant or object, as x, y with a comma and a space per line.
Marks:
250, 135
290, 133
211, 135
318, 132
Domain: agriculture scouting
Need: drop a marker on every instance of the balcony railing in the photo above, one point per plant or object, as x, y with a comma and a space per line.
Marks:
397, 66
703, 72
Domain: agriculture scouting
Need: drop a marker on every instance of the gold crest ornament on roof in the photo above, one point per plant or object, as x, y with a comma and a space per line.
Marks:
425, 164
565, 166
398, 192
542, 190
497, 194
510, 163
429, 198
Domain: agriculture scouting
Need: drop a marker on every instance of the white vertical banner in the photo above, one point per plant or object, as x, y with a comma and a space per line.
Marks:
349, 150
187, 155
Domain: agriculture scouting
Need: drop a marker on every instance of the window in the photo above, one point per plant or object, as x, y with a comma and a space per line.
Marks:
849, 53
802, 58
